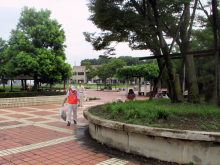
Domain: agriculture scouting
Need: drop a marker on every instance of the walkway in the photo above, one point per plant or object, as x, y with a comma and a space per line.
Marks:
37, 135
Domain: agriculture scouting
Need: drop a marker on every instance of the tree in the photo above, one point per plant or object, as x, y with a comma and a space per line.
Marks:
140, 24
112, 67
128, 59
3, 59
90, 71
102, 72
36, 47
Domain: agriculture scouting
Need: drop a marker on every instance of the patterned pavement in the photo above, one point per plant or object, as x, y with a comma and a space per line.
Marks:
37, 135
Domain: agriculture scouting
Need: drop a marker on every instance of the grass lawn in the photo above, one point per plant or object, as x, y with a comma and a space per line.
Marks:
92, 86
161, 113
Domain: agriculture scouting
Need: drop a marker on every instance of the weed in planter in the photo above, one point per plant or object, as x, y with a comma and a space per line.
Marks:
155, 125
213, 127
191, 163
118, 109
162, 114
172, 126
107, 107
166, 125
203, 127
133, 114
111, 116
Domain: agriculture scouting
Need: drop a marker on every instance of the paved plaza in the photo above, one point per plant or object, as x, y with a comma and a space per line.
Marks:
37, 135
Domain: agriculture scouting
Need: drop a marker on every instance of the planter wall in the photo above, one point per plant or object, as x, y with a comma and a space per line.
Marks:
181, 146
30, 101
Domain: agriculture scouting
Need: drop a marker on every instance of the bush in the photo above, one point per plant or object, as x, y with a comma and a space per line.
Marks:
162, 114
107, 106
133, 114
29, 94
2, 90
94, 98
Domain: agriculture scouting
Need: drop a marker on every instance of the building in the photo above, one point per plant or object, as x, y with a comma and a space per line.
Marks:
79, 74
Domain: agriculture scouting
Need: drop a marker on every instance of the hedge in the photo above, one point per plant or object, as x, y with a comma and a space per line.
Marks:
29, 94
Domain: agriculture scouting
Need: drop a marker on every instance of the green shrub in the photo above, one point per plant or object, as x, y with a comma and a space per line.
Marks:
94, 98
2, 90
133, 114
107, 106
29, 94
162, 114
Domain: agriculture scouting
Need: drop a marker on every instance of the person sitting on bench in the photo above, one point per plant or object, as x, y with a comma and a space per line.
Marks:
159, 95
131, 95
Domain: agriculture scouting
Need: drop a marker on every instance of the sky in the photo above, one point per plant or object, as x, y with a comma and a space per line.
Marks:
73, 15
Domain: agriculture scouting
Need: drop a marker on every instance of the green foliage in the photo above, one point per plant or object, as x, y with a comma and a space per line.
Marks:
112, 67
128, 59
147, 113
91, 72
149, 71
94, 98
36, 48
29, 94
190, 163
162, 114
3, 59
102, 72
107, 107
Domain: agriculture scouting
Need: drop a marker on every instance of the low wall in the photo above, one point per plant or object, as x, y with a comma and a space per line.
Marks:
30, 101
181, 146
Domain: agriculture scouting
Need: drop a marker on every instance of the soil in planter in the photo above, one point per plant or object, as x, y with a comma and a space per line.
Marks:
185, 121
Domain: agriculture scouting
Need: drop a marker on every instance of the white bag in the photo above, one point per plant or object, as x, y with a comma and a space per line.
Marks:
85, 97
63, 113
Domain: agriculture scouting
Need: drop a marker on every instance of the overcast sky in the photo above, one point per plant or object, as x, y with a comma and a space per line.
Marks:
73, 15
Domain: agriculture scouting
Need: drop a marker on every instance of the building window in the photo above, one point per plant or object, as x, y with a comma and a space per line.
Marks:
80, 73
74, 73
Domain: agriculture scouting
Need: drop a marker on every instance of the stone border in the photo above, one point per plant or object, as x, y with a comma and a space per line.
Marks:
30, 101
181, 146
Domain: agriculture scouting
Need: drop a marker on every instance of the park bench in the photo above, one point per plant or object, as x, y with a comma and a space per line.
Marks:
141, 93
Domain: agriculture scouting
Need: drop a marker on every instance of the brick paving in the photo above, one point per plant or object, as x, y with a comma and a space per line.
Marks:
37, 135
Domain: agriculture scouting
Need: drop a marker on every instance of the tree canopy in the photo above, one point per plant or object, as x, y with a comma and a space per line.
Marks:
140, 23
36, 47
148, 71
128, 59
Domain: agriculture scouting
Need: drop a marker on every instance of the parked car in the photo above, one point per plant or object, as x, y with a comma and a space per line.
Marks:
148, 83
89, 82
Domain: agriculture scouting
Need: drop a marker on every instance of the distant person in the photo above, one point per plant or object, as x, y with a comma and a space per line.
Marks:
81, 90
73, 99
67, 89
159, 95
131, 95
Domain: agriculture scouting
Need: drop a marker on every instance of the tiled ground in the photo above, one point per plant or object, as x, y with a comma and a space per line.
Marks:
37, 135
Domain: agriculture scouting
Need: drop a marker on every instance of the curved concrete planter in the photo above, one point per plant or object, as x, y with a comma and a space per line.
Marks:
181, 146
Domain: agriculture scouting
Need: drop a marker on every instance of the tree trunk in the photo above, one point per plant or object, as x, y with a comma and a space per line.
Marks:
193, 89
51, 86
64, 84
11, 85
3, 82
174, 85
35, 83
